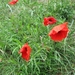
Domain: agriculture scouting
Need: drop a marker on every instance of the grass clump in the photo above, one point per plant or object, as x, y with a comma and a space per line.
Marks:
23, 23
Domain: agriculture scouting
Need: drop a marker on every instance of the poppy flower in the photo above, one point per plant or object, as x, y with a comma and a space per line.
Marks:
13, 2
25, 51
49, 20
58, 33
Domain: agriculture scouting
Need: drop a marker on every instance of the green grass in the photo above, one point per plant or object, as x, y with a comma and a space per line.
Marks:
23, 23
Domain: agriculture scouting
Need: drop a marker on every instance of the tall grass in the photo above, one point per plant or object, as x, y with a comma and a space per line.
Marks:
23, 23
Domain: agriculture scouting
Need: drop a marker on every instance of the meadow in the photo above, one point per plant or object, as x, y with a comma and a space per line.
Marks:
23, 23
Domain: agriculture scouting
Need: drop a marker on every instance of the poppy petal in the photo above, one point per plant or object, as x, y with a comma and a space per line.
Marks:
49, 20
25, 51
58, 33
13, 2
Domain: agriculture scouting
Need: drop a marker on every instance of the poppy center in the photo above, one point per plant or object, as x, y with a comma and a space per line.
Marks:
25, 49
59, 32
50, 19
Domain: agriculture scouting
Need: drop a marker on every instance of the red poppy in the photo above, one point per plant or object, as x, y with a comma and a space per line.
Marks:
49, 20
58, 33
25, 50
13, 2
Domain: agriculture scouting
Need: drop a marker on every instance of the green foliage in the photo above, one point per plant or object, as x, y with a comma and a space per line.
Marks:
23, 23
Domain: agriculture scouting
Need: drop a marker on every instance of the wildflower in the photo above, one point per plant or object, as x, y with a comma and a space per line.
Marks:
13, 2
58, 33
49, 20
25, 51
